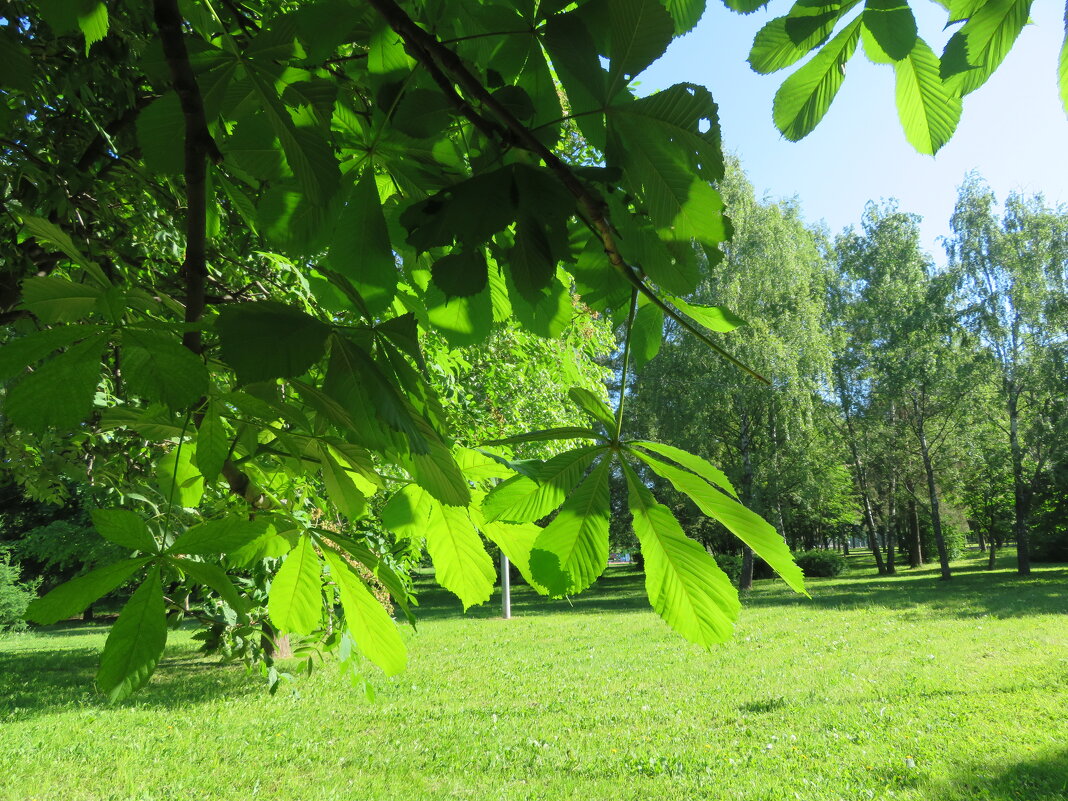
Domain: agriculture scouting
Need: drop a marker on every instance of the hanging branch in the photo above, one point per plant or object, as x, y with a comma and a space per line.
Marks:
199, 147
446, 68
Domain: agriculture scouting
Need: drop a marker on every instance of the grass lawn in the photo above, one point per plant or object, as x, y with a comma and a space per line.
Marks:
902, 687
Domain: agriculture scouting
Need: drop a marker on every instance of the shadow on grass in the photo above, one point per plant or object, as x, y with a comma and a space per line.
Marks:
1044, 778
969, 593
46, 680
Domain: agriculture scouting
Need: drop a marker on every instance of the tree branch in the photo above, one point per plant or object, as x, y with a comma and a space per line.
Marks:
438, 59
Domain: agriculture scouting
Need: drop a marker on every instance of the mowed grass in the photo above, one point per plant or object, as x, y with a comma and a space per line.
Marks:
876, 688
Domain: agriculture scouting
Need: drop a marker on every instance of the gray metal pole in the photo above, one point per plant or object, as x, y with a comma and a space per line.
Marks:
506, 588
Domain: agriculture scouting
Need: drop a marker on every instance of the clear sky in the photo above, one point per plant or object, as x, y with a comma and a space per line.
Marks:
1013, 130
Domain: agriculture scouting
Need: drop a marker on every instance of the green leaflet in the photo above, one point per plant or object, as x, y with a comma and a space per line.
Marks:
592, 405
178, 478
124, 528
295, 602
786, 40
407, 512
160, 135
516, 540
340, 487
713, 475
684, 584
266, 340
892, 25
715, 318
572, 551
375, 632
745, 524
805, 96
360, 249
981, 44
647, 333
460, 274
213, 444
213, 576
225, 535
1062, 68
639, 33
523, 500
462, 321
59, 394
136, 641
18, 354
461, 564
547, 434
158, 368
929, 113
56, 300
549, 315
75, 595
93, 21
681, 204
686, 13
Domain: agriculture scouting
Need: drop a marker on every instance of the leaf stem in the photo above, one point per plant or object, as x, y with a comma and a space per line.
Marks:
626, 362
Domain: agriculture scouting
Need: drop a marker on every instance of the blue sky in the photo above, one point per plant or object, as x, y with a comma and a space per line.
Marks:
1013, 130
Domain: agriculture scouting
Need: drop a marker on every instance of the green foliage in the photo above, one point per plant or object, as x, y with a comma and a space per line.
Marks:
929, 88
821, 563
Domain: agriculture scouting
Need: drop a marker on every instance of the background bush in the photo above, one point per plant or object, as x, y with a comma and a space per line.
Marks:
730, 564
820, 563
15, 595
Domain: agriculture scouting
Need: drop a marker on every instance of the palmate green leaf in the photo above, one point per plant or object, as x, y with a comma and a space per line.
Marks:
267, 340
372, 628
125, 528
684, 584
74, 596
672, 269
715, 318
744, 523
360, 249
52, 299
804, 97
929, 113
59, 393
892, 25
592, 405
136, 641
158, 368
977, 49
572, 551
691, 462
224, 535
461, 564
178, 478
786, 40
295, 602
522, 499
18, 354
547, 434
211, 575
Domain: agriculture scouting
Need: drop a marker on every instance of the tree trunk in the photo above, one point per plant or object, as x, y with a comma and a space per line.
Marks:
932, 492
979, 536
888, 526
745, 581
1021, 492
992, 562
915, 544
